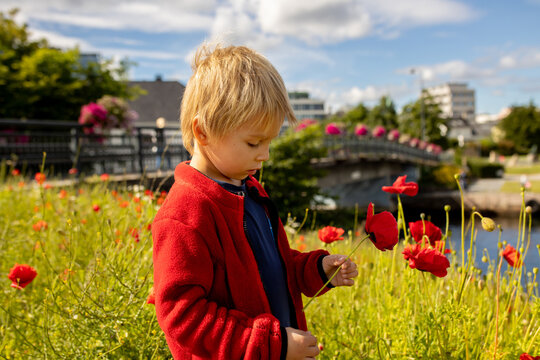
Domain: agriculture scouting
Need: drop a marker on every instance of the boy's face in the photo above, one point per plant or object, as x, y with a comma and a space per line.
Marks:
240, 153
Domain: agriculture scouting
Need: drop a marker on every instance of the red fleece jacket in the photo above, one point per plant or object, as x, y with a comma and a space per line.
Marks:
210, 300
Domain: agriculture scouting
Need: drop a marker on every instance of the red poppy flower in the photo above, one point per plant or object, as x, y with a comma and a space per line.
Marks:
96, 207
62, 194
433, 232
15, 172
512, 256
426, 259
21, 275
151, 299
401, 187
73, 171
526, 356
329, 234
41, 224
382, 229
104, 177
439, 245
40, 178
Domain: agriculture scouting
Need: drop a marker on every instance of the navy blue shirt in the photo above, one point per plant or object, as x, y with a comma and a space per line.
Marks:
264, 246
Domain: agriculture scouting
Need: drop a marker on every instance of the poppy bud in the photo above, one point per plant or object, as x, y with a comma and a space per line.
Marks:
321, 347
535, 270
488, 224
447, 208
528, 210
484, 259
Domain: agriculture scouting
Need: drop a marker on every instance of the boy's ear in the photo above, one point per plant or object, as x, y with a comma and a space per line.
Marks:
199, 133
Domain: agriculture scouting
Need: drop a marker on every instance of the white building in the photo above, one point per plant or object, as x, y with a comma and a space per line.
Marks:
306, 108
455, 100
457, 103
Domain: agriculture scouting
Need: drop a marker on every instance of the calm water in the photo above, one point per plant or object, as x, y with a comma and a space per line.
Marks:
488, 240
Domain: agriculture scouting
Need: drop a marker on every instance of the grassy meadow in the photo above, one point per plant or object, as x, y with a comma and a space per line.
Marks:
92, 249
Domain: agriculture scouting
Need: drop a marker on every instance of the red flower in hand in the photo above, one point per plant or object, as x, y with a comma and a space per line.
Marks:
401, 187
512, 256
526, 356
426, 259
433, 233
21, 275
329, 234
382, 229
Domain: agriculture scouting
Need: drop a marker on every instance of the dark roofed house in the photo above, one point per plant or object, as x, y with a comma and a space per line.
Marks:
162, 100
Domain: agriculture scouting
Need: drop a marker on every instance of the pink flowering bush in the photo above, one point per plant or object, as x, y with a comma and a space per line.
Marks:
304, 124
107, 113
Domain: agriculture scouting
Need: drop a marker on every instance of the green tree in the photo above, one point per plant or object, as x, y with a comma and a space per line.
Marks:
288, 175
357, 115
522, 127
40, 82
384, 113
436, 126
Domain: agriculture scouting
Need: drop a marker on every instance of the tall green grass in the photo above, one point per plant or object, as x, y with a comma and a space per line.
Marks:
94, 267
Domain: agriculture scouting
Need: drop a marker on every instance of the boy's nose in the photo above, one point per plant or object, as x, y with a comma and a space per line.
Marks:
265, 154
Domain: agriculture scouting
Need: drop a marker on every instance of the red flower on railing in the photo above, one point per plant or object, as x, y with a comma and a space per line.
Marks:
512, 256
378, 131
423, 227
329, 234
21, 275
382, 229
333, 129
401, 187
426, 259
414, 142
393, 135
361, 130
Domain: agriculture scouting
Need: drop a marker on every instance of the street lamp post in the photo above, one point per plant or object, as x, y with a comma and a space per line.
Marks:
422, 114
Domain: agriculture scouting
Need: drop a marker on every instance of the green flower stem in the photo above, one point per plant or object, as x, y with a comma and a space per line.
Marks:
462, 281
334, 274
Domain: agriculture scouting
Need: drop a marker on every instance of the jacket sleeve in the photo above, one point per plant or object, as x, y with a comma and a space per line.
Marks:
306, 271
183, 277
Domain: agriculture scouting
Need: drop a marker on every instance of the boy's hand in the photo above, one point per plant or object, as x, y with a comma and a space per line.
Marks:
348, 270
301, 344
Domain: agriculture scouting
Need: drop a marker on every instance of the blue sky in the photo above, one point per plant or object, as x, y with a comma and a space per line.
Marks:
341, 51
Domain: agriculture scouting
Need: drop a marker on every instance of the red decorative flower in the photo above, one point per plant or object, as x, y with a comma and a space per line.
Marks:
526, 356
96, 207
104, 177
426, 259
304, 124
433, 233
512, 256
333, 129
40, 178
382, 229
73, 171
329, 234
21, 275
401, 187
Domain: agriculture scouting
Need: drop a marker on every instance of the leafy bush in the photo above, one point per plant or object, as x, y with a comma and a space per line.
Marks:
481, 168
439, 177
288, 175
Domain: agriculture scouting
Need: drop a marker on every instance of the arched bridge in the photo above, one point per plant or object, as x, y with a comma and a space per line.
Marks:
356, 165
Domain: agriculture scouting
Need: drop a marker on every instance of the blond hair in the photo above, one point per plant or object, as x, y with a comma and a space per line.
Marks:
230, 87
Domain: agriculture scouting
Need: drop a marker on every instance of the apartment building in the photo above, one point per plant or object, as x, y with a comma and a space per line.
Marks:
305, 107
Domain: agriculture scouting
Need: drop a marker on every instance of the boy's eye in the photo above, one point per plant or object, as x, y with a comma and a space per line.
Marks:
252, 144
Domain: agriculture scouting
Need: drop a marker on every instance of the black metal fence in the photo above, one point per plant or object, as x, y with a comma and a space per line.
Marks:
144, 149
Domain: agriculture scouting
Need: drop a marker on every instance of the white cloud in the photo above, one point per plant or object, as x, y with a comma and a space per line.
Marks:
523, 58
60, 41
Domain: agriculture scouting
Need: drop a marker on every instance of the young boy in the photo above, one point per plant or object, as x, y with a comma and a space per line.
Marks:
227, 285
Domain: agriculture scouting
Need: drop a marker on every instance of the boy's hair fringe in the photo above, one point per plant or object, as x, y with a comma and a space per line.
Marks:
231, 86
